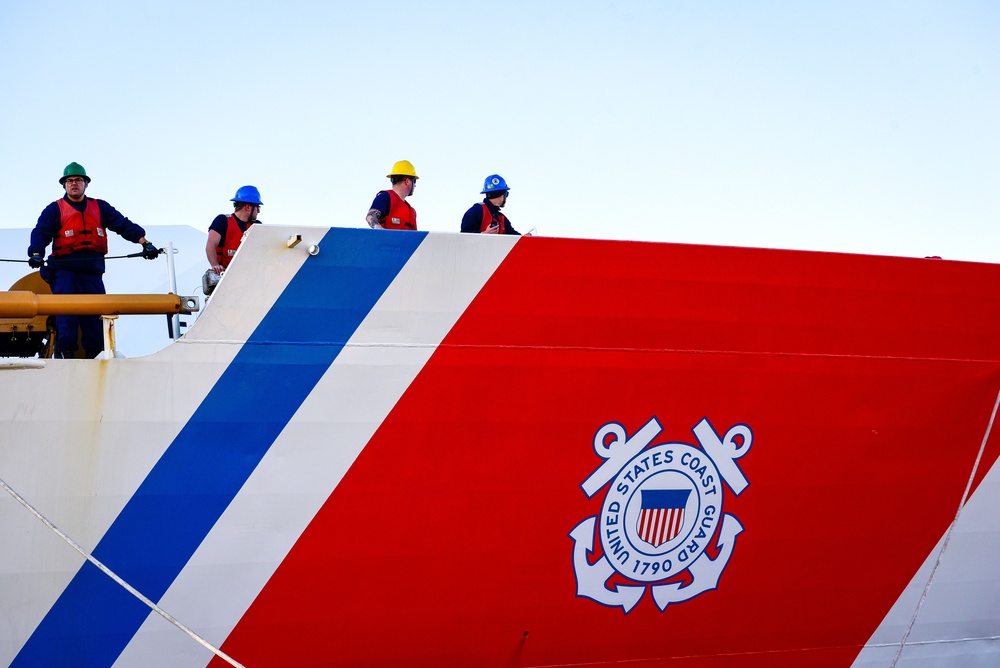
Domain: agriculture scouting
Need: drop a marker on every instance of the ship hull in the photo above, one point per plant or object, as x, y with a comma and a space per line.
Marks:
429, 449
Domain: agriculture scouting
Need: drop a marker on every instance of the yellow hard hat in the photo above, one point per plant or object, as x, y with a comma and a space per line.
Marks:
403, 168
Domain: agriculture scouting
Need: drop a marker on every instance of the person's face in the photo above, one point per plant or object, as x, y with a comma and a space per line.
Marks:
75, 186
413, 185
252, 211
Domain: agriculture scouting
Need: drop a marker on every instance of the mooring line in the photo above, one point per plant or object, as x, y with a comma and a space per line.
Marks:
111, 574
947, 535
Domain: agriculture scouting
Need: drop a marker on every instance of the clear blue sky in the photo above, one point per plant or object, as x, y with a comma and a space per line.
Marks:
846, 126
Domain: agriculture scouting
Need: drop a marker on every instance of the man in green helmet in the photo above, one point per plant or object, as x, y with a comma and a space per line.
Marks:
76, 226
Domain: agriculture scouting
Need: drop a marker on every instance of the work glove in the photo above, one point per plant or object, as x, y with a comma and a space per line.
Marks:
149, 251
35, 260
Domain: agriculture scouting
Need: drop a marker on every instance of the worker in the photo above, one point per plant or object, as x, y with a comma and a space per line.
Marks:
485, 218
390, 210
76, 226
225, 234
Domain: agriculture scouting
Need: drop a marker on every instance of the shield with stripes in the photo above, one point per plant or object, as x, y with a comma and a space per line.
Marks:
662, 515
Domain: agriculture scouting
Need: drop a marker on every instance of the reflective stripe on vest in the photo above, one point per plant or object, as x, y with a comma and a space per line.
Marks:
401, 215
80, 231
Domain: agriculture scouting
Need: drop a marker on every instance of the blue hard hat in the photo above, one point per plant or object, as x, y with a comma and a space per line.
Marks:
494, 183
249, 195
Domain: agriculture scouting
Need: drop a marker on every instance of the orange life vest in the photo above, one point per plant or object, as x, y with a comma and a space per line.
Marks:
401, 215
488, 220
80, 231
230, 242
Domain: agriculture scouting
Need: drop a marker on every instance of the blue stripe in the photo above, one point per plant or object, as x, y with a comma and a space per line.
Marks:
206, 465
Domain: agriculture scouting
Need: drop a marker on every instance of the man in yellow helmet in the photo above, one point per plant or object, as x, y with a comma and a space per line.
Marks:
389, 210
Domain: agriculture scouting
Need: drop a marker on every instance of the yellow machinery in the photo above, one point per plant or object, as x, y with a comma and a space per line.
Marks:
27, 325
27, 336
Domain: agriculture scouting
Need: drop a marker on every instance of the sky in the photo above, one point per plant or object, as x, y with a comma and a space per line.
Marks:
864, 127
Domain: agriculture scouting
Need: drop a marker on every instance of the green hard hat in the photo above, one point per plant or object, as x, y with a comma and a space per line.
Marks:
74, 169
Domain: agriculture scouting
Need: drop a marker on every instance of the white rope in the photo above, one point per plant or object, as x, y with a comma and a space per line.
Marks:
129, 588
947, 535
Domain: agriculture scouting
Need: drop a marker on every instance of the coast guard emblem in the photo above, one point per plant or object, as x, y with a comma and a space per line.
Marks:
661, 512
